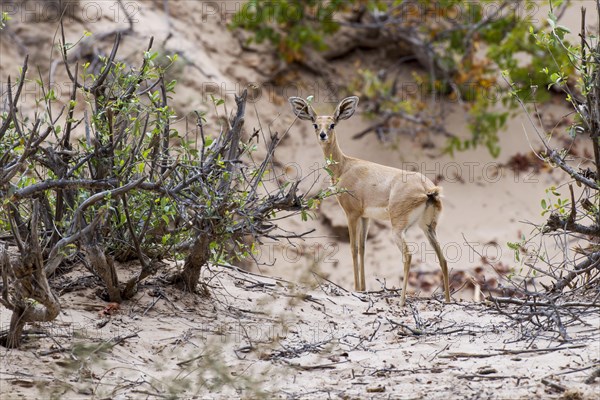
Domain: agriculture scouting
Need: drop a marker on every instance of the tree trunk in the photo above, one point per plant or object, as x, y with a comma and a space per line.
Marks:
30, 283
105, 268
198, 257
17, 323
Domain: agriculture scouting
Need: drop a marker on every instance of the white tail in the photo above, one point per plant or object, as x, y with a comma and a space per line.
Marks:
375, 191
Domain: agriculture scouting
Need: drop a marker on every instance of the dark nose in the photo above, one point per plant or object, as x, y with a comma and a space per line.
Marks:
323, 135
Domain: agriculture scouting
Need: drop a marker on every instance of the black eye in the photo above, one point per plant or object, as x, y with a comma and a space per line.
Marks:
316, 126
331, 126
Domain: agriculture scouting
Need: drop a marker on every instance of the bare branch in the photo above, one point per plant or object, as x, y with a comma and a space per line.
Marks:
571, 171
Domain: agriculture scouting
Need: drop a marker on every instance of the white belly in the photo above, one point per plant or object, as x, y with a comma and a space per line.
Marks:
380, 213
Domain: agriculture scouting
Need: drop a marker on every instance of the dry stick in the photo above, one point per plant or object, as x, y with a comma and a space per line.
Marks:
502, 352
437, 353
31, 190
313, 367
587, 265
490, 377
149, 393
308, 347
573, 371
592, 378
550, 349
364, 300
152, 304
118, 339
568, 225
510, 300
571, 171
415, 332
333, 283
15, 99
237, 269
375, 331
554, 315
253, 283
179, 364
554, 385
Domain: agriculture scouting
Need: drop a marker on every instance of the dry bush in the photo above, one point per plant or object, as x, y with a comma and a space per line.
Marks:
123, 191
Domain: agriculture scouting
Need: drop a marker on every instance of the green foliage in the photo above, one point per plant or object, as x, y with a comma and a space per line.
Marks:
4, 18
555, 203
290, 25
467, 44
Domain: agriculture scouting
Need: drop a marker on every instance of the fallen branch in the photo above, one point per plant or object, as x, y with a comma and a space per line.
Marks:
556, 386
504, 352
511, 300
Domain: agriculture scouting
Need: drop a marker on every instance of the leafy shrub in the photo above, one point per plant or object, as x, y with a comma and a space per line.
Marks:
123, 191
571, 265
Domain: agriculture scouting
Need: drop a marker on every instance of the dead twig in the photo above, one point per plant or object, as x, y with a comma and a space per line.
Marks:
556, 386
503, 352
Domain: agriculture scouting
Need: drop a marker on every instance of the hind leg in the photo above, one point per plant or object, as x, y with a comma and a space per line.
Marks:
400, 239
429, 231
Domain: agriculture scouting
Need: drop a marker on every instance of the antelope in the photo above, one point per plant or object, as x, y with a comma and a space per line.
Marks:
375, 191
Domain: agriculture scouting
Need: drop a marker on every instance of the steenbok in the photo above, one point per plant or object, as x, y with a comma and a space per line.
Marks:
371, 190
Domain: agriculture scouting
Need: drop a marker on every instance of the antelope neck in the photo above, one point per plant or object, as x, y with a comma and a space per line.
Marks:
332, 151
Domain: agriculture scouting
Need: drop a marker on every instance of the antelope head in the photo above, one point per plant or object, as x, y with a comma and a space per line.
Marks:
324, 125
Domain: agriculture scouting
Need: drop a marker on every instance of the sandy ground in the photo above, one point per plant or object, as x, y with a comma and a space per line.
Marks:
236, 333
257, 337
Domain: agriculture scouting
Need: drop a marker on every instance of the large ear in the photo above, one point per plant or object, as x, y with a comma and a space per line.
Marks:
302, 109
346, 108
